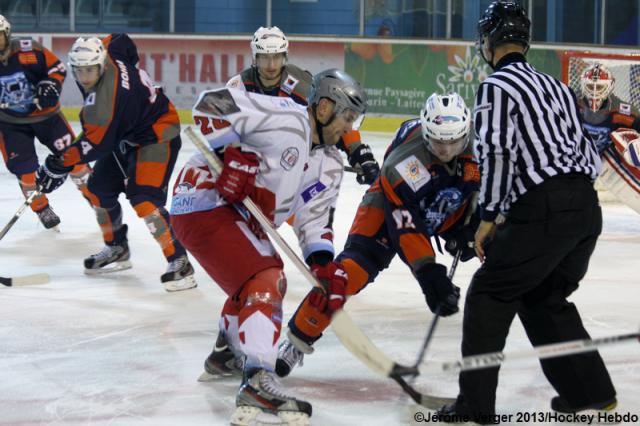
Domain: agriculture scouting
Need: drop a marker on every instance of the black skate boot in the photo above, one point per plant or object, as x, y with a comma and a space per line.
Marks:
109, 259
179, 275
291, 353
221, 362
261, 401
48, 218
560, 405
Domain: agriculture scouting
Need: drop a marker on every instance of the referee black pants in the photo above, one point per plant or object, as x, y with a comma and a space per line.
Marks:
537, 258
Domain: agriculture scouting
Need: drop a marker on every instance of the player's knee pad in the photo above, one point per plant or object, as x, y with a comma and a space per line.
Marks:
80, 175
27, 183
264, 292
360, 268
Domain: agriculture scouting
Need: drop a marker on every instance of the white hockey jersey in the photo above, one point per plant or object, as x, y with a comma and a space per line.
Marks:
294, 181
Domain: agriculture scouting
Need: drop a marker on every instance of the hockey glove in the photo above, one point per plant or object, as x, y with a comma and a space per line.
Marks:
52, 174
332, 296
627, 143
238, 176
364, 162
440, 293
47, 94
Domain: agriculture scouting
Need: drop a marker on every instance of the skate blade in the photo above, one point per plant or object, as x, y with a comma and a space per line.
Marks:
254, 416
178, 285
208, 377
113, 267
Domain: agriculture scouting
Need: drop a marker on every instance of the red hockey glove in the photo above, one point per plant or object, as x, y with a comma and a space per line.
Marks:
238, 176
334, 282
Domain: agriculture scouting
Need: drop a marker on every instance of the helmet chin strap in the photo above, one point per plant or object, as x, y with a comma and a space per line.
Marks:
320, 126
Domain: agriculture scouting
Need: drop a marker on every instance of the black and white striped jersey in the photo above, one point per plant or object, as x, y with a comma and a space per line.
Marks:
528, 129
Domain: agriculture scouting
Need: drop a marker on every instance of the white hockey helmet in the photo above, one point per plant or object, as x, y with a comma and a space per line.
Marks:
446, 122
269, 40
87, 51
596, 85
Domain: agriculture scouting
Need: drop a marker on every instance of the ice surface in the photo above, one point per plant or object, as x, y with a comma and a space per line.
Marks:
120, 350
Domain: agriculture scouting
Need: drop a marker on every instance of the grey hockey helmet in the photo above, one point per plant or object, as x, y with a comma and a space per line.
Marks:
342, 89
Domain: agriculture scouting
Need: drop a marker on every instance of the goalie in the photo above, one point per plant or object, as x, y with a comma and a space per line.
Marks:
613, 125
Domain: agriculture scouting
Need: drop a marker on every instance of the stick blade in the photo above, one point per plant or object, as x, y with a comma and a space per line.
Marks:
33, 279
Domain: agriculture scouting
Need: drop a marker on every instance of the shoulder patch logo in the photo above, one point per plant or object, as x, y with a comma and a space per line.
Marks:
289, 158
625, 109
289, 84
414, 173
26, 45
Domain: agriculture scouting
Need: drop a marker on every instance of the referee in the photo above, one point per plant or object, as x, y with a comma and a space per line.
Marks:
540, 222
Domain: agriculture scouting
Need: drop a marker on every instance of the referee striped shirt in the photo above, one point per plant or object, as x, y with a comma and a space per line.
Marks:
528, 129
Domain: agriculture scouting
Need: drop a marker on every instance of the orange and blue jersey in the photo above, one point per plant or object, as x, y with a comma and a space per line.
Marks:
124, 107
27, 63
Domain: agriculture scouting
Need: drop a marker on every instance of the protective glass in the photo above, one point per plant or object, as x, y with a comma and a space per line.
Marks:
351, 117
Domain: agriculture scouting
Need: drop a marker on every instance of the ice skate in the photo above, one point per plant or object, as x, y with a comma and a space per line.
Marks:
260, 401
221, 362
291, 353
109, 259
48, 218
179, 275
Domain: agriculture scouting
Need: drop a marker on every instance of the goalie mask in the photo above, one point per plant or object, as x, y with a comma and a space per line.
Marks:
596, 85
446, 122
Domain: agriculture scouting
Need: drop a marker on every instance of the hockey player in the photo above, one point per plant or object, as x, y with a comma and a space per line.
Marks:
426, 189
267, 143
31, 79
602, 111
271, 74
132, 131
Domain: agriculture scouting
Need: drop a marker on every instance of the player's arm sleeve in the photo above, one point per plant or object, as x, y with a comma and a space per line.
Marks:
402, 217
350, 142
54, 68
94, 142
313, 222
235, 82
120, 45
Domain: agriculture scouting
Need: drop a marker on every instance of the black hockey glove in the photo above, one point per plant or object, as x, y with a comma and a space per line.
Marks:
441, 295
47, 93
52, 174
462, 240
364, 162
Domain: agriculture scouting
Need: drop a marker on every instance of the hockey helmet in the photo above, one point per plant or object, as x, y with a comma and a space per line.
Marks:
343, 90
446, 122
269, 40
504, 22
596, 85
87, 51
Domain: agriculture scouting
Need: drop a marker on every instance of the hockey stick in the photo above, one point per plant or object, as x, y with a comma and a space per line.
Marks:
34, 279
350, 335
21, 210
494, 359
407, 386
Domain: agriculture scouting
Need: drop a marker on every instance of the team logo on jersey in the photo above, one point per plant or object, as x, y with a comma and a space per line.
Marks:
16, 92
217, 102
289, 158
289, 84
413, 172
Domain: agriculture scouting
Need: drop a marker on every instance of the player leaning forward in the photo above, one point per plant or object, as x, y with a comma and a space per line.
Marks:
132, 131
266, 143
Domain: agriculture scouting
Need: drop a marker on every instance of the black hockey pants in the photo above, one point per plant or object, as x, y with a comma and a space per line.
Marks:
537, 259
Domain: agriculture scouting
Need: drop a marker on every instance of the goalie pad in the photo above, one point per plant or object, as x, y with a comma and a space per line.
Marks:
618, 175
627, 143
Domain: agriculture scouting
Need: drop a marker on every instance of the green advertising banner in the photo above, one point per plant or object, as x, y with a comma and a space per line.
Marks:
399, 77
